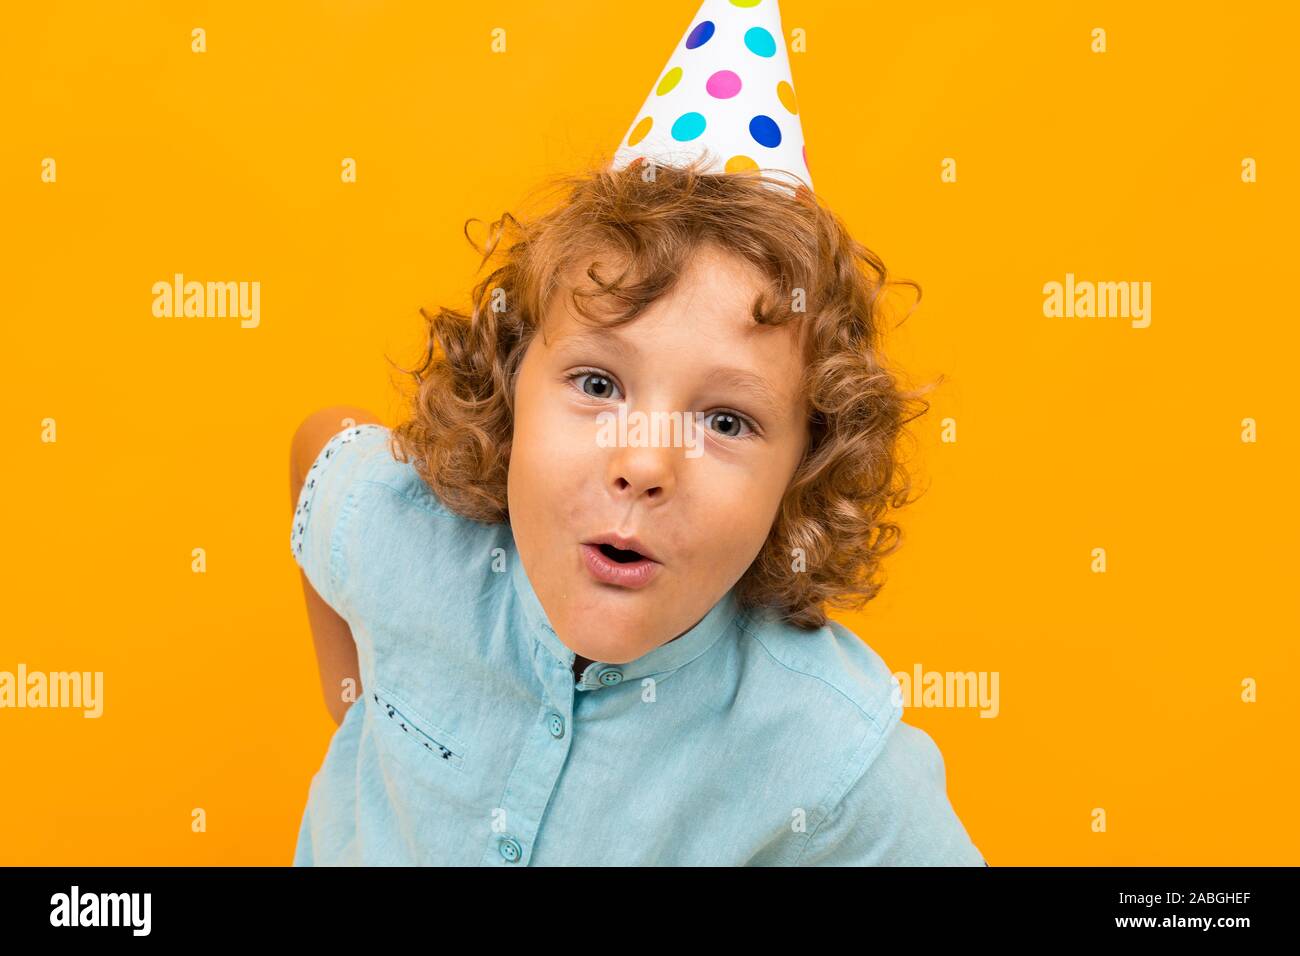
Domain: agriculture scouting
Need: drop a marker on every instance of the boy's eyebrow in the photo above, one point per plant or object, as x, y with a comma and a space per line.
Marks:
752, 384
593, 337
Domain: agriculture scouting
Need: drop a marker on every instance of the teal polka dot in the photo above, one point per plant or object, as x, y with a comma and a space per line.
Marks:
760, 41
688, 126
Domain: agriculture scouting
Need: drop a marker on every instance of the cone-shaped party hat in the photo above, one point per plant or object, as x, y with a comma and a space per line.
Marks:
726, 91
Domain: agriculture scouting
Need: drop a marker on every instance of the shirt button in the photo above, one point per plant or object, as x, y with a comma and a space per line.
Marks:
557, 726
511, 850
610, 676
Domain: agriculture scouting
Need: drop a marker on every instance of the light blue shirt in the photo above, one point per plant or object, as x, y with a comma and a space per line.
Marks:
745, 741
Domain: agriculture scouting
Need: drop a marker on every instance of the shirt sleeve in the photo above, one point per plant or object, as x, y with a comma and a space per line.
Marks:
896, 813
328, 493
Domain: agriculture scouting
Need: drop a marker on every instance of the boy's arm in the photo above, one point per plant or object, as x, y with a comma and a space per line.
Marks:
896, 814
336, 651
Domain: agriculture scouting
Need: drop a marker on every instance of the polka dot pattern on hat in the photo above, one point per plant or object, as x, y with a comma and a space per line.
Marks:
760, 41
727, 90
701, 35
688, 126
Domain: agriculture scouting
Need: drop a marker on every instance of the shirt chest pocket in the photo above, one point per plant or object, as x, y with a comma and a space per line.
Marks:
414, 740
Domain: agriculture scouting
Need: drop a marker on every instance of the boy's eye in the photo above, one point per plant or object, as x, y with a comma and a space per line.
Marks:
733, 425
601, 385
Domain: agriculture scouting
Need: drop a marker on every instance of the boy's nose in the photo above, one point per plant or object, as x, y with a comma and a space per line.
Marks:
649, 473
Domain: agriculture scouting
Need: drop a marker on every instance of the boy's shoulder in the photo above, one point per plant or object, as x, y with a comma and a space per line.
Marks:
381, 475
374, 539
831, 660
400, 511
379, 465
885, 800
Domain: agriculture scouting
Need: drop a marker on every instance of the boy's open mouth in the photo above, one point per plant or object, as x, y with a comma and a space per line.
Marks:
622, 567
620, 555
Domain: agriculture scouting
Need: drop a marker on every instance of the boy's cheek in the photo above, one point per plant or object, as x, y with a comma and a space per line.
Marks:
556, 471
533, 448
569, 449
557, 427
738, 524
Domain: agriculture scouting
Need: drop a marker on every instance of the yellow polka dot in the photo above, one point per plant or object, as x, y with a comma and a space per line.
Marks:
741, 164
745, 3
639, 131
671, 79
785, 92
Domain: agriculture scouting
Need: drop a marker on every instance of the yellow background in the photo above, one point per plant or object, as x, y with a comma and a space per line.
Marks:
1119, 691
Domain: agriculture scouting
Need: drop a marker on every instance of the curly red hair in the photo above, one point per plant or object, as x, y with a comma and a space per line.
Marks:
647, 219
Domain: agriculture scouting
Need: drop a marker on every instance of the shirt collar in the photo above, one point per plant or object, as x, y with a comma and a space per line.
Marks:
661, 660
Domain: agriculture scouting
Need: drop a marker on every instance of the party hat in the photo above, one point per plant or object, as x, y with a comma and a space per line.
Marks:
725, 92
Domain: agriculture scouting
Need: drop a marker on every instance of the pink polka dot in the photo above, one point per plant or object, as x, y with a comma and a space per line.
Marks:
723, 85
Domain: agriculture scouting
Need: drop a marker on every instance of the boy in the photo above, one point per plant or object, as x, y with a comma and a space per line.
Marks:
578, 649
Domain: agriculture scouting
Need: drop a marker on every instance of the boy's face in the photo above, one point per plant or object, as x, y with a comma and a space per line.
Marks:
701, 504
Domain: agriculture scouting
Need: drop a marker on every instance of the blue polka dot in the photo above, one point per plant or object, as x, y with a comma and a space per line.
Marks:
701, 34
764, 130
759, 41
689, 126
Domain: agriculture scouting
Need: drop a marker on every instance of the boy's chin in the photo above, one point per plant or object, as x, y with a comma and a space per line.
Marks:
618, 633
607, 642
